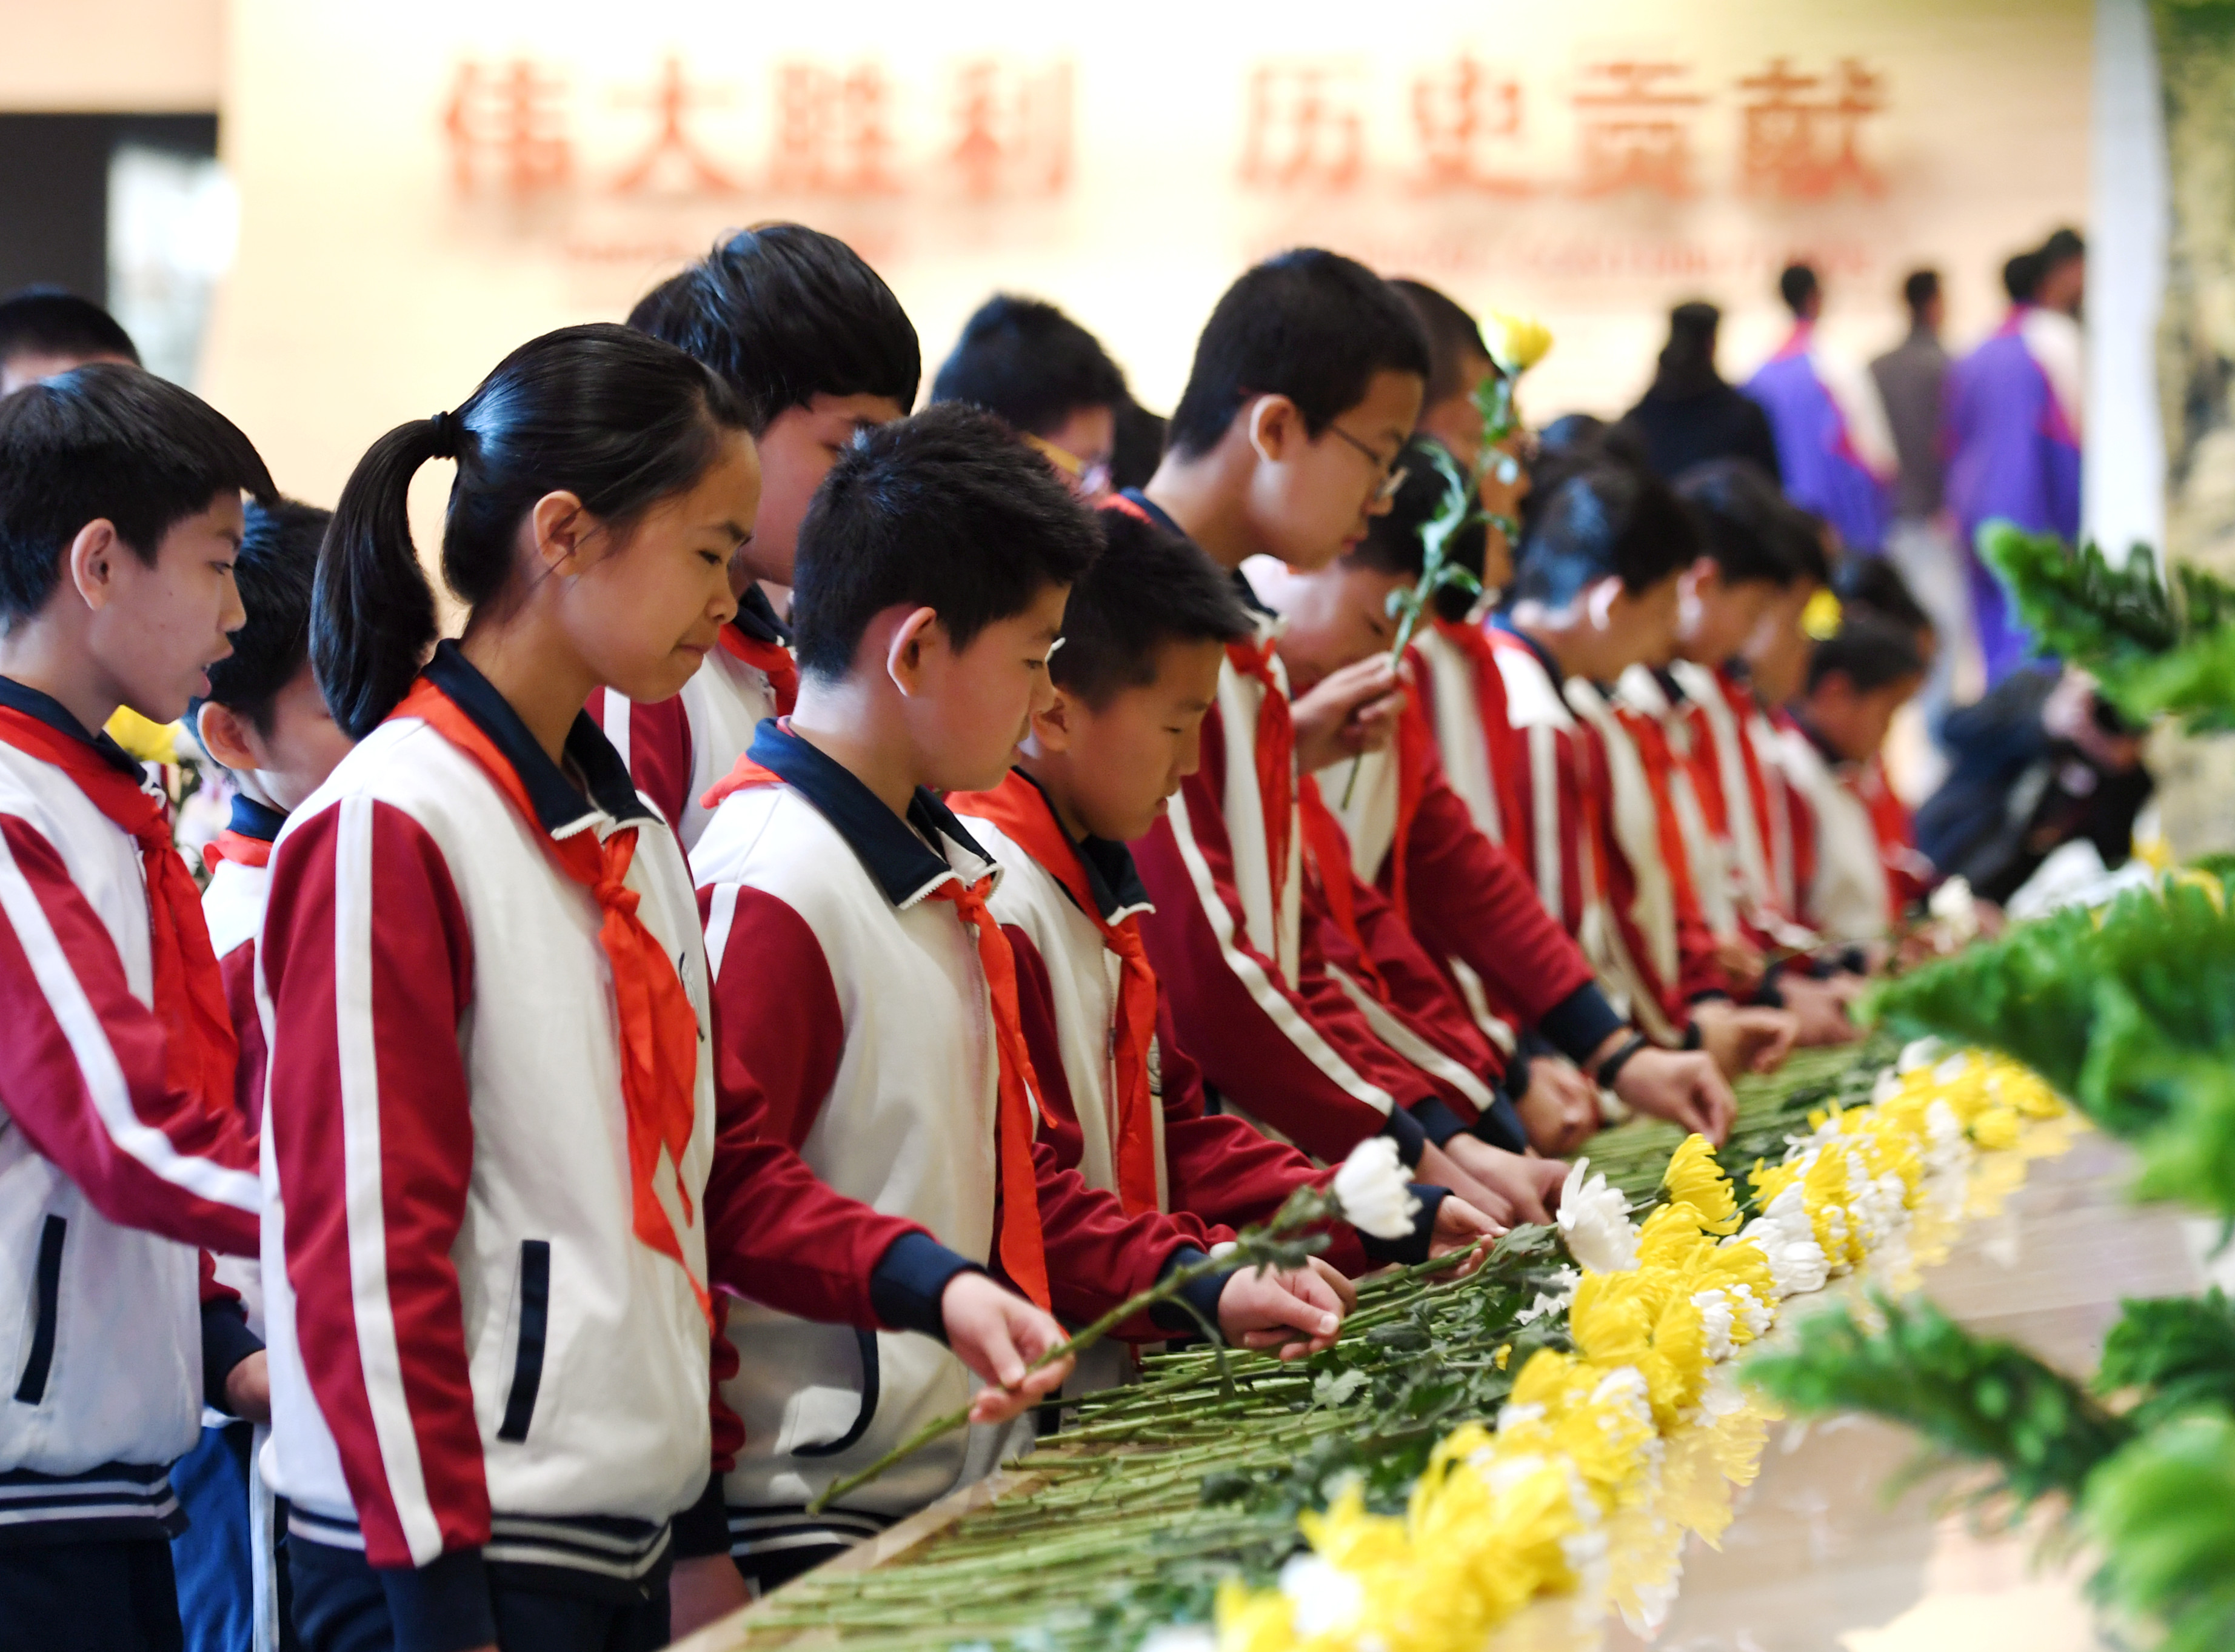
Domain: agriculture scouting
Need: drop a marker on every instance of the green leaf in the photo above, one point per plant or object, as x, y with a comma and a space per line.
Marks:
1977, 1399
2180, 1349
2163, 1511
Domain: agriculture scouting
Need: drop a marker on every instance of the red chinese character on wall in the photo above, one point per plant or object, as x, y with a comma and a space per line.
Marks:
672, 101
1012, 129
832, 131
1802, 142
507, 126
1304, 128
1634, 129
1468, 119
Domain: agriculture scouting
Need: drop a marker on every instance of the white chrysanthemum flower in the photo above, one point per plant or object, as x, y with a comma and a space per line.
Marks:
1180, 1638
1756, 1315
1327, 1599
1519, 1416
1925, 1052
1953, 1068
1953, 905
1717, 1316
1372, 1190
1722, 1395
1594, 1222
1797, 1262
1563, 1284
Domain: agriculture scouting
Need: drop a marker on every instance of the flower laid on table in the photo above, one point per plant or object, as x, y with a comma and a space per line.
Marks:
1594, 1221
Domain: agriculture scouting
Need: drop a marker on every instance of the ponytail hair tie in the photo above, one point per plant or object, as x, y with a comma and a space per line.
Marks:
445, 433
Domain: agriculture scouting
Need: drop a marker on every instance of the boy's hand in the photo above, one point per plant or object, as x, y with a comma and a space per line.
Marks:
1560, 1109
1746, 1041
1348, 712
1683, 1086
1741, 960
1295, 1313
248, 1389
997, 1334
1530, 1188
1821, 1009
702, 1588
1338, 1282
1459, 1226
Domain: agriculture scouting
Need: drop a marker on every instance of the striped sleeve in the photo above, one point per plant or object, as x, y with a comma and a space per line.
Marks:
82, 1070
368, 1105
654, 741
1302, 1059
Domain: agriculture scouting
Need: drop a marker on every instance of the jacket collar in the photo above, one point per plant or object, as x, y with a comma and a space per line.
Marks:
253, 819
32, 702
558, 803
1111, 877
756, 618
897, 854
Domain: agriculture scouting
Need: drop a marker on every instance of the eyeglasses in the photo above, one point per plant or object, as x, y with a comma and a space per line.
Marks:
1088, 477
1392, 474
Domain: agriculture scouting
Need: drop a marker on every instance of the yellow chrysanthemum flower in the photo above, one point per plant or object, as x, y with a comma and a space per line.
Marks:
1693, 1177
149, 742
1517, 343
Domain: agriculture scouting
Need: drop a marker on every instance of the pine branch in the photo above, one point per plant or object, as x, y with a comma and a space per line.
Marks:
2164, 1509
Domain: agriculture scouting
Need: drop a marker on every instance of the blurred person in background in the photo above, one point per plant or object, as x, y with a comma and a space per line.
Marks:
45, 332
2011, 429
1690, 415
1048, 378
2042, 761
1834, 453
1910, 378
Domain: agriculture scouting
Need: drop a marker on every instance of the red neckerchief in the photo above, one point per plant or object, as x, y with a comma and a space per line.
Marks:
1327, 850
657, 1027
238, 847
1023, 813
772, 659
1022, 1249
1276, 755
199, 1048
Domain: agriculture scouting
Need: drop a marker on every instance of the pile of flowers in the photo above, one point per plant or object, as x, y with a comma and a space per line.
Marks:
1603, 1456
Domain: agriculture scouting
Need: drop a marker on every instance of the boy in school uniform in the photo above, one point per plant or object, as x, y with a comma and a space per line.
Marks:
1596, 592
819, 350
864, 988
1306, 387
1858, 678
1048, 378
1145, 635
265, 723
120, 522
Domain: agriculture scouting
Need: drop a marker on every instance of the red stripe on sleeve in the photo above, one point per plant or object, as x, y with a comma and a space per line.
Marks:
156, 1157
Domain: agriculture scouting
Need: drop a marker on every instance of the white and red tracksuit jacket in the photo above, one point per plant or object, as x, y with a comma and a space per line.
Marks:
110, 1177
676, 749
1213, 1172
1589, 830
855, 1002
476, 1361
1460, 893
1299, 1048
1845, 889
1750, 791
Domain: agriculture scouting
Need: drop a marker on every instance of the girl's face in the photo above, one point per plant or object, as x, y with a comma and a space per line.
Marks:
645, 615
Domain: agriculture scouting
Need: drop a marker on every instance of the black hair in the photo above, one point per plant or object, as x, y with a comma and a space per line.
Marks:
1140, 446
1869, 584
618, 419
1455, 350
2062, 247
945, 510
1809, 555
785, 313
1606, 519
47, 321
1745, 524
107, 441
1796, 285
276, 569
1919, 288
1870, 650
1031, 363
2022, 277
1688, 360
1147, 586
1392, 543
1308, 324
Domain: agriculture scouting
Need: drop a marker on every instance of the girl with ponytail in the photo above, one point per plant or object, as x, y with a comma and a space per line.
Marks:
504, 1176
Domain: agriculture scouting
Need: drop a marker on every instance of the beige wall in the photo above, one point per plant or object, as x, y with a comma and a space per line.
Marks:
142, 56
369, 290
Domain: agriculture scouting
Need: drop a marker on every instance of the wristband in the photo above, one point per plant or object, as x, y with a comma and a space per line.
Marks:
1610, 1069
